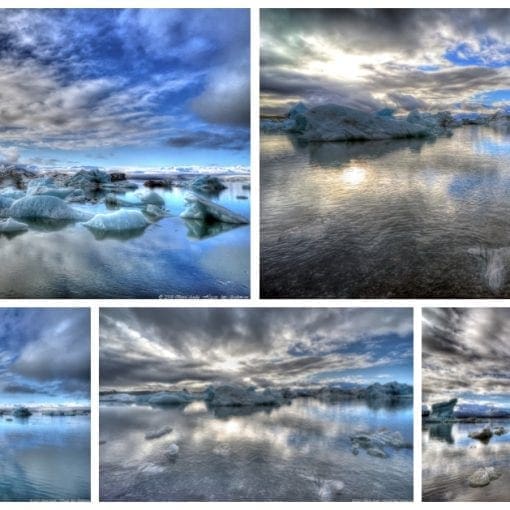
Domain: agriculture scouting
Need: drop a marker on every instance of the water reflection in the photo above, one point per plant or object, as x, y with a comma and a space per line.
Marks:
396, 218
45, 458
441, 432
450, 456
202, 229
285, 453
169, 258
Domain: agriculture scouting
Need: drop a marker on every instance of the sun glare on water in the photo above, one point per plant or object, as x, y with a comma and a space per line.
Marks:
353, 175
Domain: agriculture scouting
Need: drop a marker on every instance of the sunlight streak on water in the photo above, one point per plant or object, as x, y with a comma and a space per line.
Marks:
394, 218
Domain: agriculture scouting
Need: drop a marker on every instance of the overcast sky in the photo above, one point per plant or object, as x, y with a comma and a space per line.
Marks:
44, 356
124, 87
165, 348
430, 59
466, 354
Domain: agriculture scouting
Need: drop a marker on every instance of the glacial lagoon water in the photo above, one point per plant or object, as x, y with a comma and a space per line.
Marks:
171, 258
386, 219
278, 454
45, 458
450, 456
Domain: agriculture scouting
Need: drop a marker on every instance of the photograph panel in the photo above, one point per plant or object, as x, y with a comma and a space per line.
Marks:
125, 153
45, 404
466, 404
256, 404
385, 153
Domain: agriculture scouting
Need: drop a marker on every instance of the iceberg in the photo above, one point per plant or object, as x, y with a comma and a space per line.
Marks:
170, 398
11, 226
199, 208
483, 476
232, 395
207, 184
152, 198
52, 191
22, 412
45, 207
334, 123
12, 193
154, 211
46, 186
125, 398
483, 435
118, 221
443, 411
5, 204
155, 434
88, 179
172, 450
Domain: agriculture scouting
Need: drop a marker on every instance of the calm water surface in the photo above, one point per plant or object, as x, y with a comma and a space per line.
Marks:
402, 219
170, 258
286, 453
45, 458
450, 457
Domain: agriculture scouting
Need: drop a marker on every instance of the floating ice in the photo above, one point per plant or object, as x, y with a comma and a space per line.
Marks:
170, 398
12, 193
155, 434
118, 221
207, 184
172, 450
45, 207
154, 211
483, 476
11, 226
152, 198
5, 204
199, 208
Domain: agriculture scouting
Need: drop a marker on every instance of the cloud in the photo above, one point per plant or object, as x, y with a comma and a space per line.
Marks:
80, 79
45, 351
465, 351
370, 58
209, 140
9, 155
226, 99
143, 348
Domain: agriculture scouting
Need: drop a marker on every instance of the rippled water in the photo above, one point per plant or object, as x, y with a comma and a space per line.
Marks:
171, 258
450, 457
287, 453
397, 218
45, 458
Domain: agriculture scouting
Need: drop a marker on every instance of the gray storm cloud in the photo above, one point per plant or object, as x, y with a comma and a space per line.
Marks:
465, 350
45, 351
369, 59
153, 348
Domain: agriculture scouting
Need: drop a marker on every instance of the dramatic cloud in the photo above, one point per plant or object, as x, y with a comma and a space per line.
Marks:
120, 81
210, 139
158, 348
44, 355
429, 59
466, 354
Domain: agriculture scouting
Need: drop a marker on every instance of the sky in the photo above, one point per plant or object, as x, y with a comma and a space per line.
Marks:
44, 357
124, 88
466, 355
426, 59
155, 349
